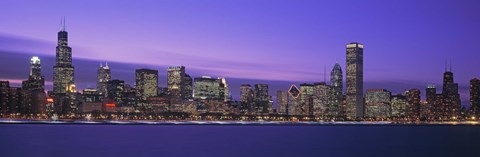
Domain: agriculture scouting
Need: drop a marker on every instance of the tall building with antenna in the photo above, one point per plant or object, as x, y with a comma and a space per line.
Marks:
63, 71
451, 105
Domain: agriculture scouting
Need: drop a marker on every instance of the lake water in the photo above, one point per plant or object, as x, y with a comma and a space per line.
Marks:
237, 140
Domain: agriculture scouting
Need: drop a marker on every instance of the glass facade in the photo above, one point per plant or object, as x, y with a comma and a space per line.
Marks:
146, 81
377, 103
354, 80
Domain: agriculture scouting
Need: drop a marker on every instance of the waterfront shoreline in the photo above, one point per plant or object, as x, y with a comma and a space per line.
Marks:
246, 123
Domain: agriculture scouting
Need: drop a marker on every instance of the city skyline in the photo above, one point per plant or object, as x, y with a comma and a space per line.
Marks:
403, 73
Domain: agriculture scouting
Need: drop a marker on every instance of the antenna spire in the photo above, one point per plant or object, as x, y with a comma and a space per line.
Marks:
445, 65
64, 26
325, 73
450, 65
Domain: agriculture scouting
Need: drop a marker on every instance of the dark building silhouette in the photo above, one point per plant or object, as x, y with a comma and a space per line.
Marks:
451, 105
115, 91
261, 98
187, 92
475, 97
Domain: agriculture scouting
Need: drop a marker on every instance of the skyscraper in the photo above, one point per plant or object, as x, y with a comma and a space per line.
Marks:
429, 108
281, 102
146, 81
33, 94
336, 80
431, 91
261, 98
475, 96
224, 92
115, 91
35, 80
175, 78
451, 96
187, 92
246, 93
305, 107
321, 100
103, 76
354, 80
293, 100
413, 103
398, 105
246, 97
63, 71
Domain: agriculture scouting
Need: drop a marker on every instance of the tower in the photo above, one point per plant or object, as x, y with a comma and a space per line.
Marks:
63, 71
355, 80
35, 80
451, 105
103, 76
475, 96
336, 80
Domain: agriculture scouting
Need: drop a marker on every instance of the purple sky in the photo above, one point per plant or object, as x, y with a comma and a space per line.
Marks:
406, 42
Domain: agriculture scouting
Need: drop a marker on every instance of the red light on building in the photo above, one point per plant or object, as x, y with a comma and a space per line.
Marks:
50, 100
110, 105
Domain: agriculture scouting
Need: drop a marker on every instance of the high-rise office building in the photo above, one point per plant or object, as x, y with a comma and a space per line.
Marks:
427, 109
4, 96
103, 76
35, 80
33, 94
322, 100
246, 93
399, 106
281, 102
261, 98
224, 92
187, 92
355, 80
115, 91
63, 71
246, 97
413, 103
305, 107
293, 100
336, 80
206, 87
377, 103
431, 91
146, 83
175, 78
475, 96
451, 96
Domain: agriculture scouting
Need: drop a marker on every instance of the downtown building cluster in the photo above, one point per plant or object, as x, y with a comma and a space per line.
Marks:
187, 98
